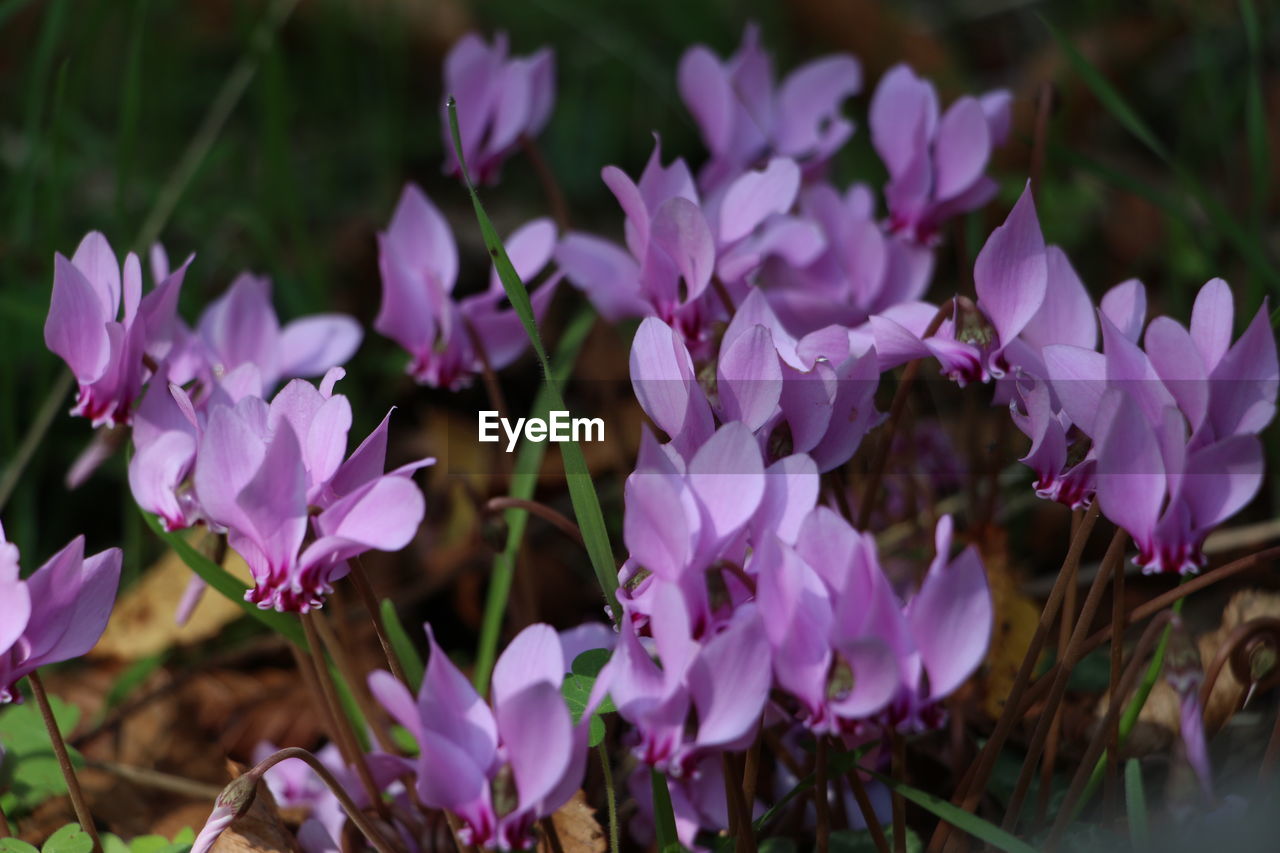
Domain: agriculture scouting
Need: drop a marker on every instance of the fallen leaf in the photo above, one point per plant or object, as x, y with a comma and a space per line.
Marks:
577, 828
143, 624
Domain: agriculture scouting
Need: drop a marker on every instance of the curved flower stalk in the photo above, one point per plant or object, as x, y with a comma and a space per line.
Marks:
102, 326
56, 614
745, 116
499, 768
450, 340
263, 471
500, 100
936, 163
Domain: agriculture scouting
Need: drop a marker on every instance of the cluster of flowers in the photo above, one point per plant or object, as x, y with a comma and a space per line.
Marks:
208, 446
770, 301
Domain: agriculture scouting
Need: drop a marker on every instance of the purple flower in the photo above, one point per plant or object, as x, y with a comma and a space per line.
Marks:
708, 693
499, 100
241, 328
263, 471
450, 340
864, 268
103, 328
845, 646
499, 768
936, 163
1174, 422
744, 117
56, 614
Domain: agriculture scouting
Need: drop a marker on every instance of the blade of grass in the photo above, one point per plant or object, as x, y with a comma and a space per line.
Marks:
664, 815
582, 492
227, 585
38, 80
406, 653
1136, 806
957, 817
524, 478
1255, 116
1220, 219
130, 105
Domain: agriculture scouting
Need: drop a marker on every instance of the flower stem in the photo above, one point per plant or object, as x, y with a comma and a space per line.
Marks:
372, 713
340, 725
1113, 561
739, 811
970, 788
64, 761
357, 816
5, 832
611, 798
550, 187
899, 804
553, 837
820, 804
868, 811
364, 589
558, 520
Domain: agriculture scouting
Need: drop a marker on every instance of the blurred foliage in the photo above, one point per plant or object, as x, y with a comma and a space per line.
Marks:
101, 97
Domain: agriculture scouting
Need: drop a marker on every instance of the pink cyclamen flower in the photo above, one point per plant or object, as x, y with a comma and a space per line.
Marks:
1174, 421
261, 470
499, 768
847, 648
936, 163
708, 693
451, 340
744, 116
499, 100
105, 329
56, 614
241, 328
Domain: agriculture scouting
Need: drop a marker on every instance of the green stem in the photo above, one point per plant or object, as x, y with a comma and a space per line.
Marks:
524, 479
611, 798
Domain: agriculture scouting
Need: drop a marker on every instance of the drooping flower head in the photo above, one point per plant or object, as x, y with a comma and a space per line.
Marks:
936, 163
499, 100
268, 474
56, 614
450, 340
745, 116
105, 329
498, 767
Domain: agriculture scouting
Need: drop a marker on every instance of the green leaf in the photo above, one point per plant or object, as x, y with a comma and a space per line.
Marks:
13, 845
1136, 805
577, 692
113, 843
860, 841
595, 731
957, 817
70, 839
404, 740
664, 815
30, 774
228, 586
590, 662
582, 491
406, 653
1110, 99
524, 479
777, 844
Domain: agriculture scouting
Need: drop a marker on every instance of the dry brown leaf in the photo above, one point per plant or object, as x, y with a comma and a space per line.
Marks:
577, 828
142, 623
260, 829
1158, 723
